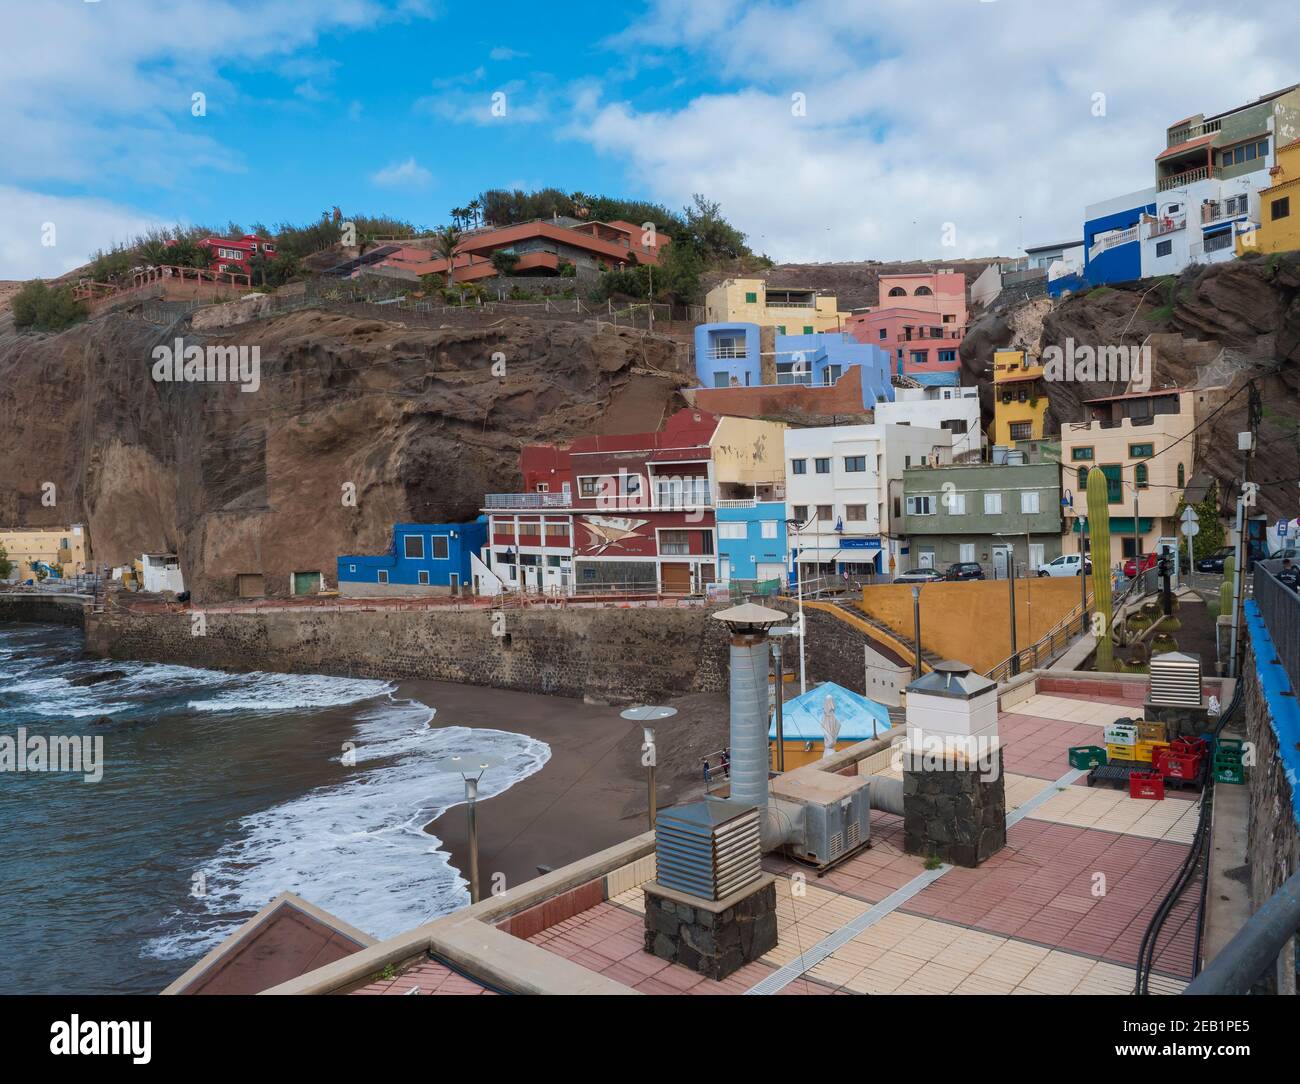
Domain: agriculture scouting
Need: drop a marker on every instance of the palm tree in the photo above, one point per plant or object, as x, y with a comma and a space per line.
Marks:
474, 207
455, 216
446, 244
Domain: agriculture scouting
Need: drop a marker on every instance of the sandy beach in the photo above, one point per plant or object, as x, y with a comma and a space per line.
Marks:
590, 794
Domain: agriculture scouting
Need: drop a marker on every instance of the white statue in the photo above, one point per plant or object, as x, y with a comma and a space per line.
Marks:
830, 727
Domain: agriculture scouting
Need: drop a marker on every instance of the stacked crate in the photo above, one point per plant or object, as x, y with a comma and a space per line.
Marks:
1151, 739
1229, 757
1122, 740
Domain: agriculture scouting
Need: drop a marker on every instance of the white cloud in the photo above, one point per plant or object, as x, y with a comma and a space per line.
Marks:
80, 227
514, 102
975, 114
502, 52
409, 174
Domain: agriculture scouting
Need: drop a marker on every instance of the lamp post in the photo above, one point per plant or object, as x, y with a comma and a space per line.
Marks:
471, 769
798, 571
777, 637
1011, 584
646, 713
916, 629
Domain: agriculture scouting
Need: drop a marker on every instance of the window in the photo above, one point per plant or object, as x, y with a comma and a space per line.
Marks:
352, 568
825, 511
423, 576
721, 380
674, 543
631, 484
589, 573
855, 513
822, 466
751, 297
589, 487
947, 355
883, 334
1164, 248
918, 357
1141, 451
414, 547
855, 464
897, 508
1182, 476
383, 575
780, 329
1029, 502
956, 504
993, 504
907, 461
1022, 431
1280, 208
767, 529
807, 330
1140, 476
966, 552
924, 291
556, 530
920, 506
897, 291
731, 530
1083, 478
800, 512
798, 466
1114, 483
1219, 241
1078, 455
439, 542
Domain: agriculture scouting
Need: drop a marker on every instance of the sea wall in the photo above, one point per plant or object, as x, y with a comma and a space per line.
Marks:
607, 653
54, 611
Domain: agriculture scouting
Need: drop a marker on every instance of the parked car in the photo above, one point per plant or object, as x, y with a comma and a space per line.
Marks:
920, 575
1286, 551
1065, 565
1214, 562
1148, 562
964, 570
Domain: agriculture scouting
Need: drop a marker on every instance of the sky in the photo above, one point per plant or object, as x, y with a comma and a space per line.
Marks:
827, 130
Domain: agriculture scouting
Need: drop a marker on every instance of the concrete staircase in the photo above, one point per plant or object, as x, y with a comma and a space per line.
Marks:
928, 657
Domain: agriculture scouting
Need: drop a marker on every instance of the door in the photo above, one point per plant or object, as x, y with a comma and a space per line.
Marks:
771, 572
675, 578
1001, 559
724, 569
455, 583
925, 559
1036, 554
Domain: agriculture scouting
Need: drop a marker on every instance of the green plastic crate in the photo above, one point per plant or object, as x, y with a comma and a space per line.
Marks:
1229, 751
1228, 772
1086, 757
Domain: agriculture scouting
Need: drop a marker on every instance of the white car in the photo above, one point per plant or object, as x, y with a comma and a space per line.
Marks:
1065, 565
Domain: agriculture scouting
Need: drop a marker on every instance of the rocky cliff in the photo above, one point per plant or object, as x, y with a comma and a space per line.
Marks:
1213, 328
412, 420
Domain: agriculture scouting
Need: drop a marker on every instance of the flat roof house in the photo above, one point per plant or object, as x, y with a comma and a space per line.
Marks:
424, 559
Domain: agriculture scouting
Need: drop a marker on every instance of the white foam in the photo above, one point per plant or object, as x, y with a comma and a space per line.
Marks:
288, 692
358, 848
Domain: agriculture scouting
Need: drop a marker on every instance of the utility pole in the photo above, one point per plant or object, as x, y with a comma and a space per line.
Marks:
1246, 443
1011, 585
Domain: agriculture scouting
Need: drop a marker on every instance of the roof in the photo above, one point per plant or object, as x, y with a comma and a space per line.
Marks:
1056, 245
1182, 148
286, 938
1138, 395
937, 380
952, 679
859, 718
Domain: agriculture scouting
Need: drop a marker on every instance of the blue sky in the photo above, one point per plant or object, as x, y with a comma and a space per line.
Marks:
828, 129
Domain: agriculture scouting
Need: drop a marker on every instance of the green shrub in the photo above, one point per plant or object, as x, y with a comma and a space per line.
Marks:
46, 308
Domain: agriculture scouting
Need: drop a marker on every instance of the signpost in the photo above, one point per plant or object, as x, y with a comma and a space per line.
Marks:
1190, 528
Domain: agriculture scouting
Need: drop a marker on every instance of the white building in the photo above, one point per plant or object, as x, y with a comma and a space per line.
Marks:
161, 572
844, 486
1197, 223
954, 409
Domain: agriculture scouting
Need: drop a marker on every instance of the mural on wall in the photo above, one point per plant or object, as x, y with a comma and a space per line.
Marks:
610, 532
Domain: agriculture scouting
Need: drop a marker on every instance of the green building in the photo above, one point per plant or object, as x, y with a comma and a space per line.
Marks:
986, 512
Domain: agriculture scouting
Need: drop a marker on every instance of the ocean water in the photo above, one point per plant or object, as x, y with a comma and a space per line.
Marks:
218, 792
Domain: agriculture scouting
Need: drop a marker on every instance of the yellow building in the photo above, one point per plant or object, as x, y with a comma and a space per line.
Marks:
749, 458
63, 548
791, 310
1279, 207
1020, 400
1137, 441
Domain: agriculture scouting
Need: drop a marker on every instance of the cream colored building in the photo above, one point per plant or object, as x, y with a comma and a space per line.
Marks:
62, 547
1137, 440
791, 310
749, 458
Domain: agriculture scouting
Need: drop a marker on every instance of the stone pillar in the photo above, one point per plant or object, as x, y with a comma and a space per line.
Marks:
954, 794
711, 937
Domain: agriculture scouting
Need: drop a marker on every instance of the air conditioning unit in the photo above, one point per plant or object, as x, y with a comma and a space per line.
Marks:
835, 815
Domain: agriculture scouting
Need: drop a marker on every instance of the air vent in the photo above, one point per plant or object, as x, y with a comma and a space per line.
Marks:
708, 849
1176, 680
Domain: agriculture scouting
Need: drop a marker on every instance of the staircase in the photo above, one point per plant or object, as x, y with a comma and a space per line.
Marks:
928, 657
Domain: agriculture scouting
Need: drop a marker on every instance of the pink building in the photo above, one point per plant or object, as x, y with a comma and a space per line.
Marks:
920, 320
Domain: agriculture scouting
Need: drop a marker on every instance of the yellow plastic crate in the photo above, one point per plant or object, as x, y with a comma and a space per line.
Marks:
1146, 748
1121, 752
1152, 732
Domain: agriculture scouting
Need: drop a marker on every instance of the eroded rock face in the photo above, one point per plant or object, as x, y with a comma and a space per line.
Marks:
411, 419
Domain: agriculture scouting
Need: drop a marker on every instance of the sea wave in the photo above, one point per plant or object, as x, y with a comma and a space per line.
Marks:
288, 692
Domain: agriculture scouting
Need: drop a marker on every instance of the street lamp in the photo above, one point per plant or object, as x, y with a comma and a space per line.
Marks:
471, 769
916, 629
777, 637
798, 572
647, 713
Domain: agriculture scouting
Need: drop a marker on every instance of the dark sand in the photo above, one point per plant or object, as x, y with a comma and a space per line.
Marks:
590, 795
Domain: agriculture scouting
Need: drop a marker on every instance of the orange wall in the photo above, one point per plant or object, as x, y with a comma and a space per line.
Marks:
971, 621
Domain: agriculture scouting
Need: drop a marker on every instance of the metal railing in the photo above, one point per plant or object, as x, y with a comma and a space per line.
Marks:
1190, 131
1279, 606
527, 500
1046, 648
1178, 180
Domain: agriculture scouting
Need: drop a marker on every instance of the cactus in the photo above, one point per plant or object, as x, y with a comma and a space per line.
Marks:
1099, 529
1225, 588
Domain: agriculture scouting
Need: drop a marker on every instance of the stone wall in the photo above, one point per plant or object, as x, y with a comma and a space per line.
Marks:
34, 608
1273, 841
607, 653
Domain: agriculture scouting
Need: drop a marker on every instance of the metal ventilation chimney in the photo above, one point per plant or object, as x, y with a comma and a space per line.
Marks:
1176, 680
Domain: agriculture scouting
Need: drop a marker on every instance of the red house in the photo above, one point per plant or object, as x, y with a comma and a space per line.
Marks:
611, 514
234, 255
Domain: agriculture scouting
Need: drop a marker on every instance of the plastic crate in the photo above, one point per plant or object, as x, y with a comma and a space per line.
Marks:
1146, 785
1230, 751
1122, 732
1152, 732
1121, 752
1198, 746
1172, 764
1146, 749
1086, 757
1228, 772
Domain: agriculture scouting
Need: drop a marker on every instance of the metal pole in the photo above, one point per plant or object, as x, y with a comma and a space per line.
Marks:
1083, 579
1011, 584
471, 798
803, 671
651, 807
1137, 537
780, 704
1255, 947
1236, 585
916, 630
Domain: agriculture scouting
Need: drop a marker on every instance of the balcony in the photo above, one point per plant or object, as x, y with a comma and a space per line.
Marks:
1179, 180
527, 500
1181, 135
726, 353
1113, 239
683, 496
1159, 227
748, 502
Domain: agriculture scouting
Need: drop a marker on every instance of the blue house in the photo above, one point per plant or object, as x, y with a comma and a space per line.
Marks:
729, 355
424, 559
1112, 247
751, 540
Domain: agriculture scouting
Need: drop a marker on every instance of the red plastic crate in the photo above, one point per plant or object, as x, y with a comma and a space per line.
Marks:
1174, 765
1146, 785
1198, 747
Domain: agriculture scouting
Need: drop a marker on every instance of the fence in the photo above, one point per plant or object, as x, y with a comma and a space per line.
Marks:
1279, 606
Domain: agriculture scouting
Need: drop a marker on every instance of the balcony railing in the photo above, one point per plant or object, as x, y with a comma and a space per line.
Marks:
683, 496
1191, 131
790, 304
1158, 227
1111, 240
527, 500
724, 353
1179, 180
747, 502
